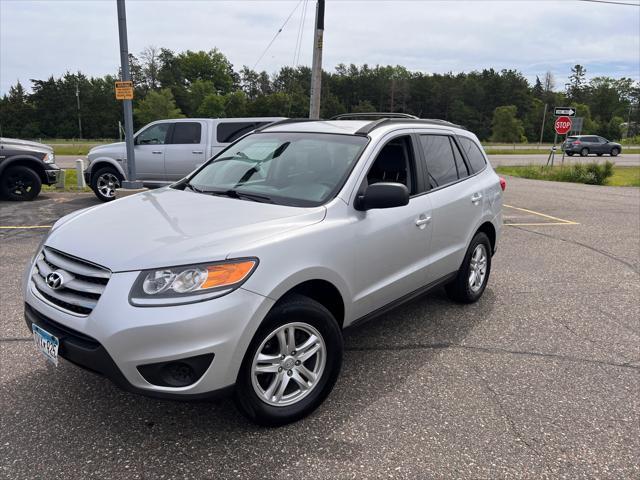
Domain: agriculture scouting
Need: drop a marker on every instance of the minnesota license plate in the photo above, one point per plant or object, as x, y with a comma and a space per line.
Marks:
46, 343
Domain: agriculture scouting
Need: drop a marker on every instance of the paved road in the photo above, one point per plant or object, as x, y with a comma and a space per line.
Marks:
540, 379
627, 159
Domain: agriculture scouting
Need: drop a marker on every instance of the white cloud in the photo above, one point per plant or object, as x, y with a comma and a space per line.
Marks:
41, 38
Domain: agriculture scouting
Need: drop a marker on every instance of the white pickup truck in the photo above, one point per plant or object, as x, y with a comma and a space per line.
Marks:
165, 151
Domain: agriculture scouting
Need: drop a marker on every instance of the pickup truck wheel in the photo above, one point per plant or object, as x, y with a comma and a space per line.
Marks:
291, 364
472, 278
104, 183
584, 152
614, 152
20, 183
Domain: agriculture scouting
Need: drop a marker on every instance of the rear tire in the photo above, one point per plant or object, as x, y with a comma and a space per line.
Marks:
584, 152
20, 183
614, 152
104, 183
472, 278
273, 360
570, 154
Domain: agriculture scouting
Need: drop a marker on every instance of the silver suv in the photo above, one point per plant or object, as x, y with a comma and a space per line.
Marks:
243, 274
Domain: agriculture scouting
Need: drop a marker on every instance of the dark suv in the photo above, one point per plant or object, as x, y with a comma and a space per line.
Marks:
587, 144
24, 167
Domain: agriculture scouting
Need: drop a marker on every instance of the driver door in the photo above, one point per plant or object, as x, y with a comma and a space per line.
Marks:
150, 151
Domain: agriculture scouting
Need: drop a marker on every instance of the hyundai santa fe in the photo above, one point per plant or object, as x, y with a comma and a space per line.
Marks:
241, 276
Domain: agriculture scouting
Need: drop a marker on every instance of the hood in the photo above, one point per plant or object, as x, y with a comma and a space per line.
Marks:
26, 145
168, 227
109, 148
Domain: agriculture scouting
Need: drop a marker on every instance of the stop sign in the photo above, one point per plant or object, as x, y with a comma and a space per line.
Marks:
563, 125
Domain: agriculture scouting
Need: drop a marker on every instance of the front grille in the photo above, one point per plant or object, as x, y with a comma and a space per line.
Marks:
82, 282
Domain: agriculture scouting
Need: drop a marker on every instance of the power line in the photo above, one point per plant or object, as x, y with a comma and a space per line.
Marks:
277, 33
298, 50
612, 3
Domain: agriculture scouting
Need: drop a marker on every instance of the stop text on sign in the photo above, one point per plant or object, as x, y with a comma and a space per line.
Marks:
563, 125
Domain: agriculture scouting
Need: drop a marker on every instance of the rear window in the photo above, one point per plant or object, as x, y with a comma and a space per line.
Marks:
186, 132
231, 131
473, 153
572, 139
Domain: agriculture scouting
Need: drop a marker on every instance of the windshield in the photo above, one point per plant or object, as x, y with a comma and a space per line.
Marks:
299, 169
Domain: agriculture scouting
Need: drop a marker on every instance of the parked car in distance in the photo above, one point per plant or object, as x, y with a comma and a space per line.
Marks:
165, 151
24, 167
587, 144
242, 276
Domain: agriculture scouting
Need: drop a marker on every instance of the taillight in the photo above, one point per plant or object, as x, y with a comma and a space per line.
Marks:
503, 184
577, 142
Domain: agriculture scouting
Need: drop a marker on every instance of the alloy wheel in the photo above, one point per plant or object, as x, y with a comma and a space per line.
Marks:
107, 184
288, 364
478, 268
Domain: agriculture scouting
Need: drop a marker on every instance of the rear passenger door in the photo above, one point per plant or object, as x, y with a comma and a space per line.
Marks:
185, 150
456, 202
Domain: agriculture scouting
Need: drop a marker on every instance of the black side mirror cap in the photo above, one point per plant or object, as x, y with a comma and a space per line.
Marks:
383, 195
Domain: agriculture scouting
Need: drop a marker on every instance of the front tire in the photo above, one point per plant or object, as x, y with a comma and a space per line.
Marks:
570, 154
104, 183
291, 364
614, 152
472, 278
584, 152
20, 183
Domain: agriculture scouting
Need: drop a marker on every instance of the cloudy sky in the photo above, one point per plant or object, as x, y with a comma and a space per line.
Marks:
49, 37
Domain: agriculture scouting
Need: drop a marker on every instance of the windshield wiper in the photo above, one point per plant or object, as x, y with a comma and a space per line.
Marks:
231, 193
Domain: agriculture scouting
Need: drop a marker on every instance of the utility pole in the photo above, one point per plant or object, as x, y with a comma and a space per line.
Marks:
130, 182
78, 102
316, 68
544, 116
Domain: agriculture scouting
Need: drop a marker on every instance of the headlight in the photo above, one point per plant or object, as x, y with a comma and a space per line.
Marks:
49, 158
191, 283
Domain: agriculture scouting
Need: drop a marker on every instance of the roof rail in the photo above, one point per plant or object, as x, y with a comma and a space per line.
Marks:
285, 121
367, 129
371, 116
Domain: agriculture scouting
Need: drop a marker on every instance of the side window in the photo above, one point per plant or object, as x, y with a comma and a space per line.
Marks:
186, 132
463, 171
473, 153
441, 164
155, 135
228, 132
395, 163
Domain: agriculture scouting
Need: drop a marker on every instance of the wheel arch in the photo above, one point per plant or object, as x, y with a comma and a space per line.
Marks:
323, 292
25, 161
490, 231
102, 163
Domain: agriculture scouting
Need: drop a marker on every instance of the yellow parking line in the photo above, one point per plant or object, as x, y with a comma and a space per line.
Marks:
15, 227
558, 221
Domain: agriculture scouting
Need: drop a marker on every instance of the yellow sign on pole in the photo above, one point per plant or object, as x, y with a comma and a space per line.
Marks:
124, 90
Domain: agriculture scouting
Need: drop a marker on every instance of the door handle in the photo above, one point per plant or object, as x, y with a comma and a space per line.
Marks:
476, 197
197, 152
157, 152
422, 222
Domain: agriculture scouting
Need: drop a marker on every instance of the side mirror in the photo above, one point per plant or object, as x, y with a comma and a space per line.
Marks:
383, 195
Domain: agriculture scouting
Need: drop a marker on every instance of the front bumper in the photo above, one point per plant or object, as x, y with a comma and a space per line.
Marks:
116, 338
52, 174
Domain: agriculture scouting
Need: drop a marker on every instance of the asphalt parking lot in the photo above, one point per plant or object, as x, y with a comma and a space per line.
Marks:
540, 379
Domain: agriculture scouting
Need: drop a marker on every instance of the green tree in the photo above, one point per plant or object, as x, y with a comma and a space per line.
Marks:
506, 127
212, 106
235, 104
576, 86
157, 106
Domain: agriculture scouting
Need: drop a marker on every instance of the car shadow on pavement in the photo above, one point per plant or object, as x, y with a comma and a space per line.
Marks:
72, 419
